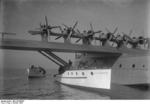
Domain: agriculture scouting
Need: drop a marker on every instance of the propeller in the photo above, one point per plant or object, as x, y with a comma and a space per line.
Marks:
130, 33
72, 29
109, 34
77, 40
112, 32
47, 27
115, 30
78, 31
115, 38
65, 26
62, 31
81, 34
127, 37
87, 35
118, 39
134, 41
58, 37
43, 29
91, 26
68, 31
91, 31
46, 21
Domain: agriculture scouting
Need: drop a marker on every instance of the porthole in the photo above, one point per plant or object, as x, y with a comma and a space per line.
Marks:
133, 65
120, 65
143, 66
82, 73
91, 73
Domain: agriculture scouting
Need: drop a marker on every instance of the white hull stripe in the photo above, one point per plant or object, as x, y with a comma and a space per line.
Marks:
75, 77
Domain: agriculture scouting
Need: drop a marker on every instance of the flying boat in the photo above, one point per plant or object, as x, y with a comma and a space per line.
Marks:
123, 66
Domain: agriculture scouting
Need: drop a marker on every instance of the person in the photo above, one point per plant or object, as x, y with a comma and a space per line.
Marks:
70, 62
43, 70
61, 70
32, 66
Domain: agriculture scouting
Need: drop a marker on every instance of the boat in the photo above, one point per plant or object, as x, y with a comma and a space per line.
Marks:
36, 72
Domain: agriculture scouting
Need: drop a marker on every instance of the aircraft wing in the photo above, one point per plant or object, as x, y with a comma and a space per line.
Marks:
34, 32
63, 47
56, 34
7, 33
60, 34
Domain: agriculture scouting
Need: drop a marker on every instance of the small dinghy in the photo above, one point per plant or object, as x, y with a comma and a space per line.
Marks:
36, 71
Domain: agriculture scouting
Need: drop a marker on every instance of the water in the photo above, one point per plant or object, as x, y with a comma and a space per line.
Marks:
16, 85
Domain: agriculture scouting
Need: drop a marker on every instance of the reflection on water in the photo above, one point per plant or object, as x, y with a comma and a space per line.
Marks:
76, 93
17, 85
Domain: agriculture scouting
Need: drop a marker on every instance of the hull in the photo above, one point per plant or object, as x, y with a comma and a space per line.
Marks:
96, 78
126, 69
131, 70
130, 74
102, 83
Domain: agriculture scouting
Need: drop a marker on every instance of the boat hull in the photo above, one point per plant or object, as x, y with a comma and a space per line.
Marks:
104, 86
34, 73
96, 78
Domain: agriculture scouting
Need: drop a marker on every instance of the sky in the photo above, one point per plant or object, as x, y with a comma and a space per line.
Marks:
19, 16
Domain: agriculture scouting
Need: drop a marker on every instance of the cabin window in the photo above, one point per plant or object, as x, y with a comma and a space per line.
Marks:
120, 65
133, 65
82, 73
91, 73
71, 73
68, 73
76, 73
143, 66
